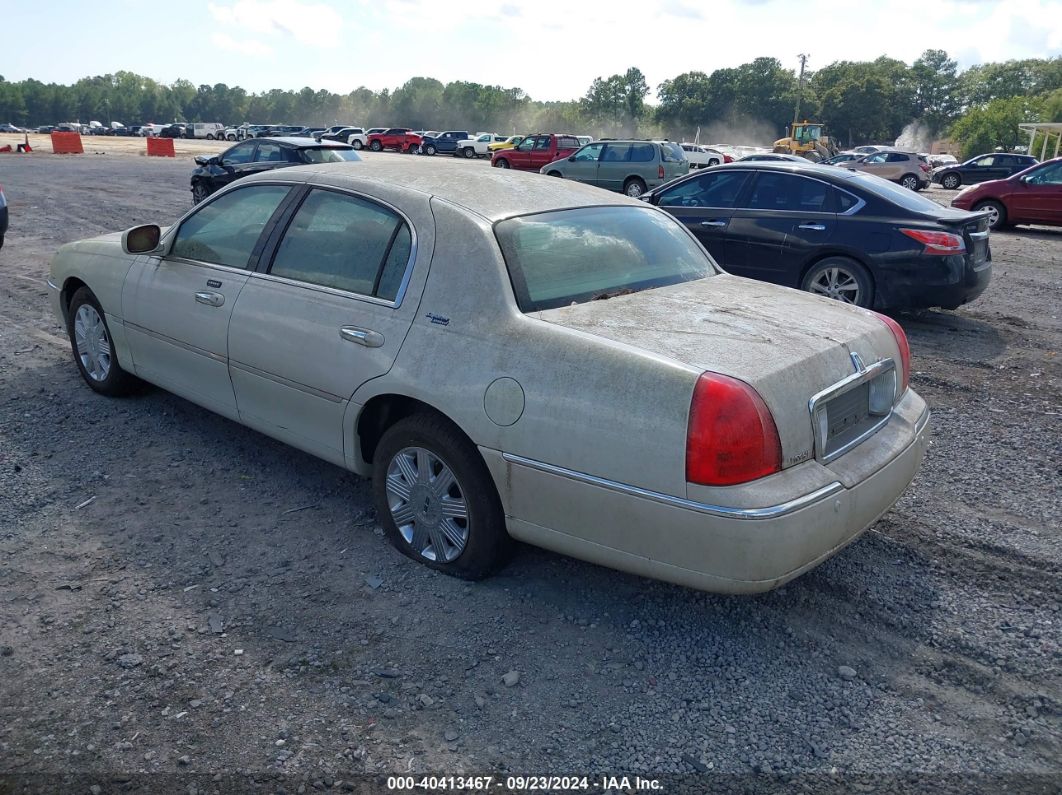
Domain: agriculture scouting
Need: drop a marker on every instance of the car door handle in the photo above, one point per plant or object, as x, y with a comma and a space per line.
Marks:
813, 227
713, 223
210, 299
362, 336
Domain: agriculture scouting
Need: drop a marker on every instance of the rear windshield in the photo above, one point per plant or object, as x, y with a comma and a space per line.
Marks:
897, 194
572, 256
329, 154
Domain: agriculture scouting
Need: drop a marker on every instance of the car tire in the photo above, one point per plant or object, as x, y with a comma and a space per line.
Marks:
713, 162
468, 152
997, 213
950, 181
634, 187
501, 162
909, 181
376, 146
412, 149
210, 136
357, 144
842, 279
1, 241
199, 192
412, 455
428, 149
230, 137
86, 322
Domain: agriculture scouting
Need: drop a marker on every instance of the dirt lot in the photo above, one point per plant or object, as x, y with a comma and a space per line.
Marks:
180, 595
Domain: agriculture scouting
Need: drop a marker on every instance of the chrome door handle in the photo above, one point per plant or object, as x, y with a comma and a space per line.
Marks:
210, 299
362, 336
713, 223
813, 227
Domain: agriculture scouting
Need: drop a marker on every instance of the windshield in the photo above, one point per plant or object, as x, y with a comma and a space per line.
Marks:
572, 256
329, 154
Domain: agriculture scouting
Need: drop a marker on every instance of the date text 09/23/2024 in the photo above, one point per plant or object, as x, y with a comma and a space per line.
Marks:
522, 783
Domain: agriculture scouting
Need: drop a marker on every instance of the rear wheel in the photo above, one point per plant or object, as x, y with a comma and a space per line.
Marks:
713, 162
951, 181
210, 136
501, 162
555, 174
997, 213
909, 181
436, 500
842, 279
230, 137
90, 341
634, 187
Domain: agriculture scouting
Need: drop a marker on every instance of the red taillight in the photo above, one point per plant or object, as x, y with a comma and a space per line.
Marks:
902, 344
731, 437
728, 159
660, 171
943, 243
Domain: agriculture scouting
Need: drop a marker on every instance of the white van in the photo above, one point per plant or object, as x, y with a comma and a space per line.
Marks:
210, 130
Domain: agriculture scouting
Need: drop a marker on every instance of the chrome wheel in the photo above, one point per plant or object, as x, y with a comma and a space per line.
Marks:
909, 182
93, 344
427, 504
993, 215
838, 284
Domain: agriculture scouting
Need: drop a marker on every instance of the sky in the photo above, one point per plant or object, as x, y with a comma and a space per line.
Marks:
552, 50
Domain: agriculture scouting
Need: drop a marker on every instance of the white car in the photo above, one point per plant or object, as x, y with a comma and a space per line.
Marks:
478, 146
358, 138
702, 156
444, 331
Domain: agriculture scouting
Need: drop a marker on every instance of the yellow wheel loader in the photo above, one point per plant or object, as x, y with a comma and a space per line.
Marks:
807, 139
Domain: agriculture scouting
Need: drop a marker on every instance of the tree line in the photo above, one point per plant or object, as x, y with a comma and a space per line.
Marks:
859, 101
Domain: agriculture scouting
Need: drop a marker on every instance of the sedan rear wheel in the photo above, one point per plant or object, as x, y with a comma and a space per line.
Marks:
951, 181
842, 279
436, 500
90, 341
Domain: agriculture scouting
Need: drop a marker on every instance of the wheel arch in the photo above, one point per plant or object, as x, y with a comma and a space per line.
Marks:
66, 294
819, 256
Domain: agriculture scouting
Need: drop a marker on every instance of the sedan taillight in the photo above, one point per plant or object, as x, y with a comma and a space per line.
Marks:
731, 437
903, 346
940, 243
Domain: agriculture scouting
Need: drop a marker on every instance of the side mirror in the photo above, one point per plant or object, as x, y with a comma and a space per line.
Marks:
141, 239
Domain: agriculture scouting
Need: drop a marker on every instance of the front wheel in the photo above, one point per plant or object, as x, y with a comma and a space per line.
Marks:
90, 341
230, 137
376, 146
951, 181
428, 149
997, 213
210, 136
713, 162
501, 162
634, 187
199, 192
357, 144
468, 152
842, 279
435, 499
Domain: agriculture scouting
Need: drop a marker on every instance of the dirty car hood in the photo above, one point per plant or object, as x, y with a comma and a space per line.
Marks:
787, 344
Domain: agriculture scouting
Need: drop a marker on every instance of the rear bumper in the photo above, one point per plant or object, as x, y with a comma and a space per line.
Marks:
924, 282
712, 547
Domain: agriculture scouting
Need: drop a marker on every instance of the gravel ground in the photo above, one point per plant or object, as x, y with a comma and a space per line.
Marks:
181, 595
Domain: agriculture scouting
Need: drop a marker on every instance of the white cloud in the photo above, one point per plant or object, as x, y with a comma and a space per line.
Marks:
242, 46
314, 24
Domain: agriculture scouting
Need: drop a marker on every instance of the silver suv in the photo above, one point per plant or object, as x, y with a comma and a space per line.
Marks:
906, 168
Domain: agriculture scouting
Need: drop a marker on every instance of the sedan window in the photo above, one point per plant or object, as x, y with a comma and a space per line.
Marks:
225, 231
718, 189
241, 153
346, 243
984, 162
788, 192
269, 153
328, 154
572, 256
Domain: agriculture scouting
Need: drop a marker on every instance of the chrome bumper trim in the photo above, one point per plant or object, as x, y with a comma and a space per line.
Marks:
52, 286
726, 512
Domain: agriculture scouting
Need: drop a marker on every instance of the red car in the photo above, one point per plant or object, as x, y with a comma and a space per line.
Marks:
401, 139
1032, 196
535, 151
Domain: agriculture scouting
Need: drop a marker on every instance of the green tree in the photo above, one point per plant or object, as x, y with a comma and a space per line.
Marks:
935, 89
995, 126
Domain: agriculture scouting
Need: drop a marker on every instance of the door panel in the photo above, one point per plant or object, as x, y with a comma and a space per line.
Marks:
704, 204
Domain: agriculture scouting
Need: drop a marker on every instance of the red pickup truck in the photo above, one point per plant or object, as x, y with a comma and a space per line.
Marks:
535, 151
402, 139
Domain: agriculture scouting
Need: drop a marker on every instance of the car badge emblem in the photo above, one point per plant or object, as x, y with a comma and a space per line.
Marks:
857, 362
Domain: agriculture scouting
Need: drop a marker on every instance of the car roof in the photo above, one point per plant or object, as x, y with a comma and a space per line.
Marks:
491, 193
304, 143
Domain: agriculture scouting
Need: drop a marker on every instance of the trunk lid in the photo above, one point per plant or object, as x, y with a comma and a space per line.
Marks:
786, 344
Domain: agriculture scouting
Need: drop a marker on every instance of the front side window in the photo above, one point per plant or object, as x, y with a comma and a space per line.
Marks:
241, 153
589, 153
225, 231
572, 256
346, 243
984, 162
719, 189
1048, 175
777, 191
527, 144
878, 157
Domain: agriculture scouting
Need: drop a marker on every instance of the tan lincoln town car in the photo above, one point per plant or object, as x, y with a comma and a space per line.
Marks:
513, 357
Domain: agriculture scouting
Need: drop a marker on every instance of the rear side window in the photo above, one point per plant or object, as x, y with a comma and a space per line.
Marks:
788, 192
571, 256
269, 153
845, 201
672, 153
567, 142
713, 189
346, 243
896, 158
642, 153
616, 153
327, 154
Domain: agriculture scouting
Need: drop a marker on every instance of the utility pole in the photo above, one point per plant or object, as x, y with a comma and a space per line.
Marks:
800, 87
